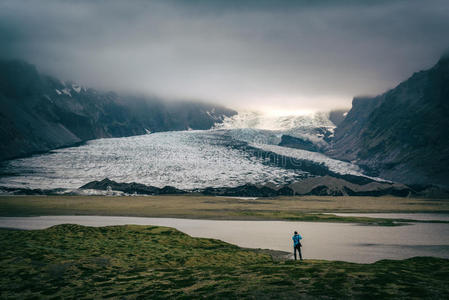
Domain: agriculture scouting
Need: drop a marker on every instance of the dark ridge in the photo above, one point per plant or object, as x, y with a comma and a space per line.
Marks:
313, 168
297, 143
401, 135
131, 188
323, 186
337, 116
389, 191
248, 190
323, 190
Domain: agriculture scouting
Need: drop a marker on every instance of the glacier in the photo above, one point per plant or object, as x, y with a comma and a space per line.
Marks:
183, 159
187, 160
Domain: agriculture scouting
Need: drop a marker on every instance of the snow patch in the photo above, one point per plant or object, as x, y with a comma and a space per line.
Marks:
67, 92
76, 88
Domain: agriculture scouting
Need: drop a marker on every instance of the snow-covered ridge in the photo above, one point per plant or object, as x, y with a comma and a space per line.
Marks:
69, 89
257, 120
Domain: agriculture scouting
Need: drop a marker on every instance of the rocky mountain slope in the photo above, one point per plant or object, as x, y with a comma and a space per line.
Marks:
403, 134
39, 113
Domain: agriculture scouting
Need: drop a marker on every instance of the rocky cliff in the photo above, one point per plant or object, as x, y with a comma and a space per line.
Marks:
39, 113
403, 134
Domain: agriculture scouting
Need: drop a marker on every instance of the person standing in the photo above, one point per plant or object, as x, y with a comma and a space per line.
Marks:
297, 244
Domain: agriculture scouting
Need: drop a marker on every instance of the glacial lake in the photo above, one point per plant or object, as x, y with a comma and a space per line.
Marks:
331, 241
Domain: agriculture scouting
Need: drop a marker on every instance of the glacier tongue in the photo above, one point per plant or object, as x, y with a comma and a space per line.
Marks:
184, 159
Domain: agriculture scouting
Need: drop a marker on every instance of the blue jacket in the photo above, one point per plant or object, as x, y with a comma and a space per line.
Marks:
296, 239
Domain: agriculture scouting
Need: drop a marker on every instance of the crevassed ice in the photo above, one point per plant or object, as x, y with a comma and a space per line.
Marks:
281, 123
185, 159
254, 127
334, 165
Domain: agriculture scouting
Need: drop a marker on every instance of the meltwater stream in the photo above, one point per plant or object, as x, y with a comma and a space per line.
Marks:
332, 241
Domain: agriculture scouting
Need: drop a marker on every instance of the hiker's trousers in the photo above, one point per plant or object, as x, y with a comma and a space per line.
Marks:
297, 247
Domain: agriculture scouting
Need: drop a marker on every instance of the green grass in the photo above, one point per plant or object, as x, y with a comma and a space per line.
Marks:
147, 262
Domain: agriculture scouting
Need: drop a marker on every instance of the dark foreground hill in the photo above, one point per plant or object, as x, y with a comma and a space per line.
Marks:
403, 134
39, 113
148, 262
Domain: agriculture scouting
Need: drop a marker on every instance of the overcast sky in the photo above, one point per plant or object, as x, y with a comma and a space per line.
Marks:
268, 55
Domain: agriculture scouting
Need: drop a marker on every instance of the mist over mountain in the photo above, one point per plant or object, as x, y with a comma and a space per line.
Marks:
403, 134
40, 113
264, 54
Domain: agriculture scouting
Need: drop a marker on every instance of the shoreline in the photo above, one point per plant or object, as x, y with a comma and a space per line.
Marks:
350, 241
276, 255
299, 208
313, 217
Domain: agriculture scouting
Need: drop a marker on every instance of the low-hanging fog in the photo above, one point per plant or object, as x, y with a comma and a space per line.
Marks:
266, 55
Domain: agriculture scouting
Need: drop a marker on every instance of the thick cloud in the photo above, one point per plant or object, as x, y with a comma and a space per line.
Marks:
283, 55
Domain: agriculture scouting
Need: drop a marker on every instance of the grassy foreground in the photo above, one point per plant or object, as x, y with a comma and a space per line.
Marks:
127, 262
304, 208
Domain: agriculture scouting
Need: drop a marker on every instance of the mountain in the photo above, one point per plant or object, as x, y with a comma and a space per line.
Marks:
403, 134
39, 113
337, 116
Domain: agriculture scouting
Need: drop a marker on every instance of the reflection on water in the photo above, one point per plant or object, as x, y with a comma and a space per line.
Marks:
348, 242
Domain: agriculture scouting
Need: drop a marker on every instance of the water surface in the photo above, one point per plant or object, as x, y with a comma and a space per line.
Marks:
332, 241
410, 216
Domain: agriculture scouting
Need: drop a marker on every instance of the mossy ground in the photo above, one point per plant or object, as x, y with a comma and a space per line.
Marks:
127, 262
